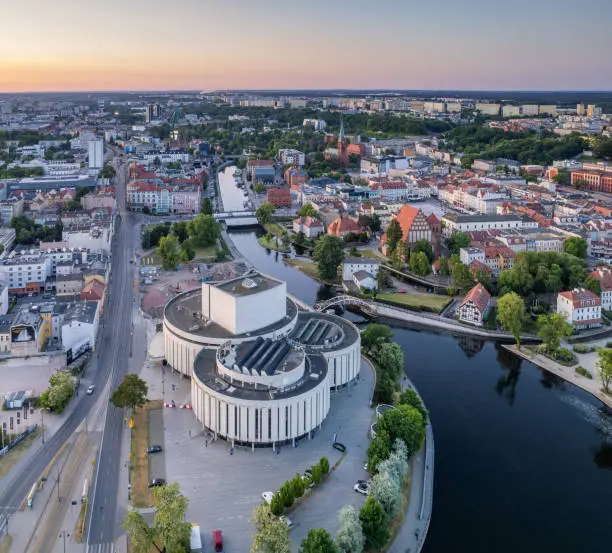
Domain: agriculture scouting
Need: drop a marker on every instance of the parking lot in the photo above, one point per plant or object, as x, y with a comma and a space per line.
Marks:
224, 489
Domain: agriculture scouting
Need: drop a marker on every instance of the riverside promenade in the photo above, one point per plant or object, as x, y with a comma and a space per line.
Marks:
593, 386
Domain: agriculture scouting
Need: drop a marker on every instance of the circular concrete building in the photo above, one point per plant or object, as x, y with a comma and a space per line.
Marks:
261, 369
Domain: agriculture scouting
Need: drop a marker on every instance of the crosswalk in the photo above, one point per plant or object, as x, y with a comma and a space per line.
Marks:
102, 548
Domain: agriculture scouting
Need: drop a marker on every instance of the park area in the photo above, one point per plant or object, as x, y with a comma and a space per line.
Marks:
426, 302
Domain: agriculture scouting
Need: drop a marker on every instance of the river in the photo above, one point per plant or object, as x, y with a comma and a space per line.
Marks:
523, 459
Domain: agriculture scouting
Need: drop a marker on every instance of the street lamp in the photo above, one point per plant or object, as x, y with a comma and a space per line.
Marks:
64, 534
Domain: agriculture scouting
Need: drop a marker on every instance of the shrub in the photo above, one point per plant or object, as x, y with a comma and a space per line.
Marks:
297, 486
583, 372
609, 344
276, 504
316, 473
583, 348
564, 354
324, 463
452, 291
286, 493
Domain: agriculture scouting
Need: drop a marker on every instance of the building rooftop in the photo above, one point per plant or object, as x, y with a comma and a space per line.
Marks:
320, 331
361, 261
245, 286
185, 312
205, 370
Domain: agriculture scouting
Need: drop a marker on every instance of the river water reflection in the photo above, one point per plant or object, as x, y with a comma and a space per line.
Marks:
523, 460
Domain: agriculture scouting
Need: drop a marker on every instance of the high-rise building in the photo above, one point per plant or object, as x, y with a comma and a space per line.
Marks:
530, 109
96, 155
153, 111
593, 111
580, 110
487, 109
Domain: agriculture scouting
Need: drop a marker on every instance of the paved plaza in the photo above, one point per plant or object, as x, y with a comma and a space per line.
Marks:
223, 488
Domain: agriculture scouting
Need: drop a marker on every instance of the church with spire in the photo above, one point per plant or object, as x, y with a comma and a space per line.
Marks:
343, 158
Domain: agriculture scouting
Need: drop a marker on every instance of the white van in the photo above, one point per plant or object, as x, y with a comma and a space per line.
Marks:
195, 541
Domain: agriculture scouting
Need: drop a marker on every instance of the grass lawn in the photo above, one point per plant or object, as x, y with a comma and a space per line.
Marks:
430, 302
271, 244
309, 268
275, 229
205, 253
139, 472
8, 461
369, 254
79, 526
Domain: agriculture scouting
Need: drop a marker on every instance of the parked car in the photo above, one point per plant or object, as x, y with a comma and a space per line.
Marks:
267, 497
154, 449
218, 541
90, 389
361, 487
157, 482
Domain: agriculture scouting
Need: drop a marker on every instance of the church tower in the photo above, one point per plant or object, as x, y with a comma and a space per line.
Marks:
343, 158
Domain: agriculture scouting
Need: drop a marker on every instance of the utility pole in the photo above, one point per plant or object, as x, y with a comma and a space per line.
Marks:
64, 534
42, 424
59, 473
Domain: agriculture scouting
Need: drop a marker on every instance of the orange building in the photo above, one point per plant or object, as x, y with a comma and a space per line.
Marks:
279, 197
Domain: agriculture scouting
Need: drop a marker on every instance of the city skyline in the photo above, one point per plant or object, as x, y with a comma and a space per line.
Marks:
191, 46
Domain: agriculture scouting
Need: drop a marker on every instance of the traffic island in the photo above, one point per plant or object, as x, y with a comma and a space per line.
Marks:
139, 465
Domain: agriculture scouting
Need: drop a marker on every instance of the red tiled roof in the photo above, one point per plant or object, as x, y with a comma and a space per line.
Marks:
581, 298
604, 276
343, 225
479, 296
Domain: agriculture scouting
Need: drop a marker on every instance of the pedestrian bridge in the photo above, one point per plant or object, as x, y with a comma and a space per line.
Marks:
233, 214
237, 218
343, 300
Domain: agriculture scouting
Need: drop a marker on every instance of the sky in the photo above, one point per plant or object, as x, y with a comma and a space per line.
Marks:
316, 44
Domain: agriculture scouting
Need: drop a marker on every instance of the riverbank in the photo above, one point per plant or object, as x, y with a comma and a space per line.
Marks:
593, 386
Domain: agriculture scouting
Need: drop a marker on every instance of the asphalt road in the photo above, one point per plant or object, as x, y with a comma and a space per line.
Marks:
107, 361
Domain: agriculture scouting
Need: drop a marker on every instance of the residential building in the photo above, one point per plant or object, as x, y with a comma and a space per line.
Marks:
11, 208
353, 265
365, 280
253, 163
581, 308
529, 110
279, 197
79, 323
487, 109
264, 175
289, 156
475, 306
295, 177
511, 111
310, 226
344, 225
604, 276
96, 156
498, 259
25, 272
318, 124
69, 285
596, 180
468, 255
453, 222
7, 239
4, 299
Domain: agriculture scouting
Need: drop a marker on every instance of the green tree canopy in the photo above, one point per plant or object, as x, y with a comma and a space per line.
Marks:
318, 540
271, 533
132, 392
593, 284
419, 263
259, 188
604, 367
328, 254
168, 251
179, 229
552, 328
425, 247
204, 230
462, 276
374, 524
169, 533
206, 207
264, 213
187, 250
308, 210
376, 334
457, 241
108, 172
391, 358
404, 423
394, 234
350, 535
576, 246
410, 397
59, 393
511, 314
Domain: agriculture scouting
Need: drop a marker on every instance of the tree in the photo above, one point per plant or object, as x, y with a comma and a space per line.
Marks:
467, 161
457, 241
179, 229
419, 263
424, 246
410, 397
387, 491
58, 394
484, 277
604, 367
593, 284
394, 234
349, 538
318, 540
108, 172
399, 255
444, 267
317, 473
277, 505
406, 423
187, 251
132, 392
375, 335
324, 463
307, 210
206, 208
374, 524
264, 213
168, 251
552, 328
563, 177
169, 534
286, 493
259, 188
328, 254
297, 486
576, 246
462, 276
272, 533
375, 224
511, 314
204, 230
391, 359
